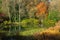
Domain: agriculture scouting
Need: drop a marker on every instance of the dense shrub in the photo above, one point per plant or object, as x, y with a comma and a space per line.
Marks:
52, 18
54, 15
29, 22
48, 23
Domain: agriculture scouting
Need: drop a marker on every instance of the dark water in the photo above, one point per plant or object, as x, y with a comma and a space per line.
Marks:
30, 38
17, 38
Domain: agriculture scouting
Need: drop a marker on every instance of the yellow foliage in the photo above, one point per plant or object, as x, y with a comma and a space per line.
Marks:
48, 33
5, 22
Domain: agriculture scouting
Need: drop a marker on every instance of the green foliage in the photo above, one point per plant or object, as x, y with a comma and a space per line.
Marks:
0, 1
53, 17
27, 10
31, 31
5, 24
29, 23
0, 5
48, 23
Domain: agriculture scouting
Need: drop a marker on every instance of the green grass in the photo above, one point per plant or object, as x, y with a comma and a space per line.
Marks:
31, 31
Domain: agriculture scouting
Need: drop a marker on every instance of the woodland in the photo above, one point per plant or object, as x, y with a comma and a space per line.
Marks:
29, 19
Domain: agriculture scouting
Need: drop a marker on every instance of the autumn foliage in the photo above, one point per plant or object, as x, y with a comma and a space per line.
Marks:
52, 33
41, 9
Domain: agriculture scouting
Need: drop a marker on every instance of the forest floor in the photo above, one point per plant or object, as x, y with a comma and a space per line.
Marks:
52, 33
35, 30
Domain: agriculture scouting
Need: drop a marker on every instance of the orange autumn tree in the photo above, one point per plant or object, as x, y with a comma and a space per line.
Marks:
42, 11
